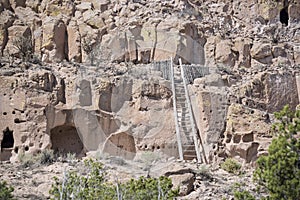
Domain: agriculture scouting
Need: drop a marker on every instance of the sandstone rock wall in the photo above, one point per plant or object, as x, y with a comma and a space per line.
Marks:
236, 34
120, 115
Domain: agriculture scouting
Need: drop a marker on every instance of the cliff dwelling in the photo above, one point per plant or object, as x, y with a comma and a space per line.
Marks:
284, 16
8, 139
7, 144
65, 139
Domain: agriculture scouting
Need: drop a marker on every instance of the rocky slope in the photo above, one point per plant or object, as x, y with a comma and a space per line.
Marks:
89, 83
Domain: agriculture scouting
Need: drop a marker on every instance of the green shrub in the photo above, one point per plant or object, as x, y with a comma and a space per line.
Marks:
279, 171
232, 166
45, 157
26, 160
92, 185
6, 191
148, 188
243, 195
204, 172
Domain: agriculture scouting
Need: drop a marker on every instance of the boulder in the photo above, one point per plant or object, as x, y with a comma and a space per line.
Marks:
280, 90
93, 19
294, 13
242, 46
279, 50
84, 6
262, 52
185, 183
224, 54
74, 42
210, 49
17, 32
54, 40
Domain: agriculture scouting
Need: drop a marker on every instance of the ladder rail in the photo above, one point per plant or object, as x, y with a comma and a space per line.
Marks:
175, 112
194, 134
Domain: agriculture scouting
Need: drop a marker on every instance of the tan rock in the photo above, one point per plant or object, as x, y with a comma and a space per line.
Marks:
84, 6
210, 48
262, 52
34, 5
3, 40
15, 32
294, 13
184, 182
296, 51
278, 51
243, 131
224, 54
93, 19
54, 34
242, 46
74, 42
7, 18
280, 90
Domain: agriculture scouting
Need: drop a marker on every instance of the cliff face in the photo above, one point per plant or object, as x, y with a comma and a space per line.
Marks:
89, 85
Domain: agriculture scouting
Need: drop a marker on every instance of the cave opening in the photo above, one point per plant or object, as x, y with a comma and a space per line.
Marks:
284, 16
121, 144
8, 139
65, 139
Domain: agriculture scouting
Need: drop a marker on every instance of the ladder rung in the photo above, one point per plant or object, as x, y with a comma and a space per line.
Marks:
186, 118
183, 111
189, 156
183, 120
188, 146
189, 150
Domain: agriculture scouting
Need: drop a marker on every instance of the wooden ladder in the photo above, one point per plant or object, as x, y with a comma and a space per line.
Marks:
189, 141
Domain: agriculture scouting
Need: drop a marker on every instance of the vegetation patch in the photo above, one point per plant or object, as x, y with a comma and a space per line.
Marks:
279, 171
231, 166
91, 184
6, 191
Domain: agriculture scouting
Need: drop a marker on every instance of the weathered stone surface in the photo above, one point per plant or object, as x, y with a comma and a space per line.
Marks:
243, 132
224, 55
294, 13
262, 52
184, 182
15, 32
74, 42
54, 42
17, 3
93, 19
242, 46
84, 6
296, 54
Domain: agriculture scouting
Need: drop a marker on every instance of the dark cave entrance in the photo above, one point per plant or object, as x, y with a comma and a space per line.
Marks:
8, 139
284, 16
65, 139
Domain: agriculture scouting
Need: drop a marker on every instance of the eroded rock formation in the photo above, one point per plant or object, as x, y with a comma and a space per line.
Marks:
90, 86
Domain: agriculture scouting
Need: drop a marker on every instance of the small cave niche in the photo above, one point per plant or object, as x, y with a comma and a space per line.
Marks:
122, 144
284, 16
65, 139
8, 139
